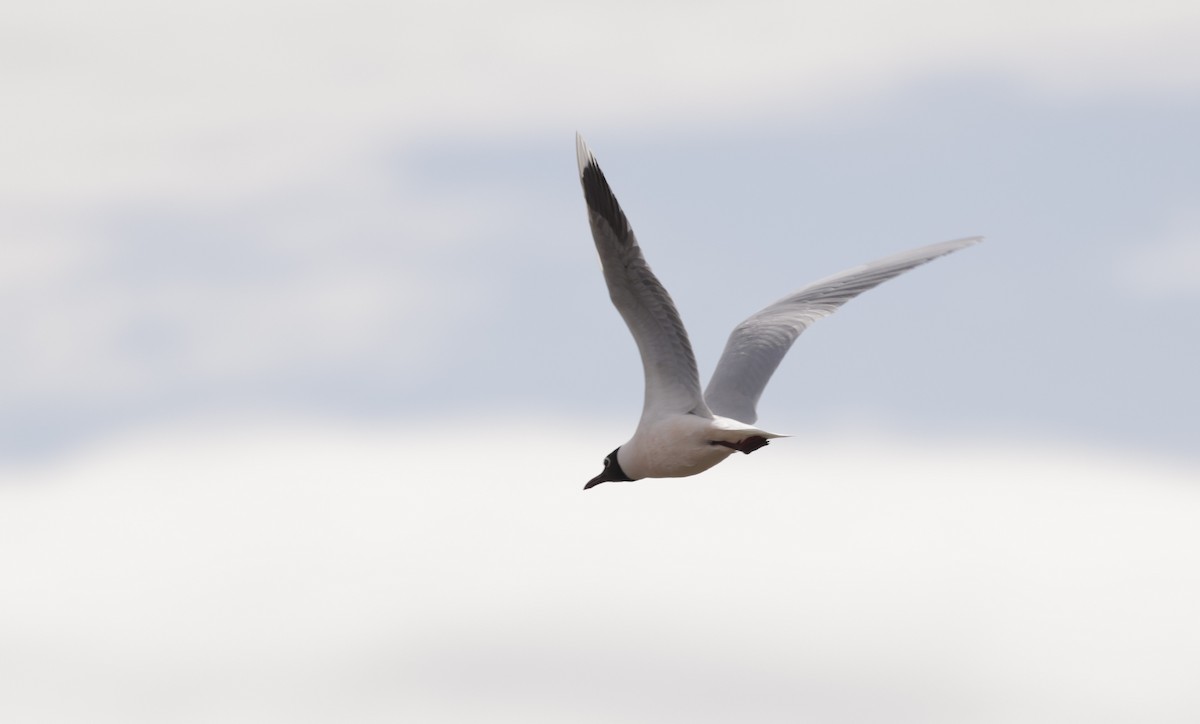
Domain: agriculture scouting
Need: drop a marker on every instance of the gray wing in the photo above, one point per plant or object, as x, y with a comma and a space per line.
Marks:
672, 382
758, 344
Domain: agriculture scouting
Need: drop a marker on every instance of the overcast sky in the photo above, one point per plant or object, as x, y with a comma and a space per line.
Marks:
351, 237
371, 210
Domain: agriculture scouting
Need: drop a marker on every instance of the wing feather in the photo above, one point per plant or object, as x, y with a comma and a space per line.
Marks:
757, 345
672, 381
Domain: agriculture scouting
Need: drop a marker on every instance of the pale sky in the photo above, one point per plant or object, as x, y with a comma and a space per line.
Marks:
308, 355
344, 209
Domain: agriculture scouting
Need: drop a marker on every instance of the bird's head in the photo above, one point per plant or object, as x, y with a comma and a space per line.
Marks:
612, 472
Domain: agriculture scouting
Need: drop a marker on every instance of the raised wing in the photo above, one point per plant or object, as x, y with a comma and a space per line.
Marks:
758, 344
672, 382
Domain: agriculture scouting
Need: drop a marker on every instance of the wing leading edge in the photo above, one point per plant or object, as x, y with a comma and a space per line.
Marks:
672, 380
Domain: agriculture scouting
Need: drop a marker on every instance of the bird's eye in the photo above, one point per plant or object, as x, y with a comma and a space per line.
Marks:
607, 461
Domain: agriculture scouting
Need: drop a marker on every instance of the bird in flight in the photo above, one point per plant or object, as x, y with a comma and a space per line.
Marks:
684, 431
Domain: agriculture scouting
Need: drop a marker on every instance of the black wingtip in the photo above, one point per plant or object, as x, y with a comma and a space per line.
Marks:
596, 191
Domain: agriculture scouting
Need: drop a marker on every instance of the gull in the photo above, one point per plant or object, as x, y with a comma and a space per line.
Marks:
684, 431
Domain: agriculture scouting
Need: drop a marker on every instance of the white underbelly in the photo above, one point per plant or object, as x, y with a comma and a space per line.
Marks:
675, 447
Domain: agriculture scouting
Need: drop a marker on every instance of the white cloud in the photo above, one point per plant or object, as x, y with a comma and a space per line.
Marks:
447, 572
140, 99
219, 290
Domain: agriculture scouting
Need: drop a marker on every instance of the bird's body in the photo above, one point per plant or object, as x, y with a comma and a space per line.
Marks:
684, 431
677, 445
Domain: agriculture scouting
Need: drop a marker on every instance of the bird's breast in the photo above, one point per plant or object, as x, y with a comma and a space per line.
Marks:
673, 447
